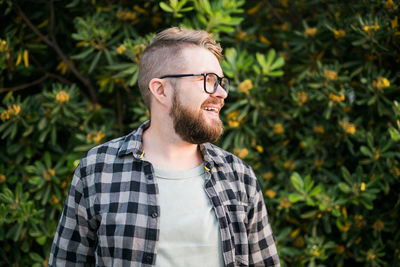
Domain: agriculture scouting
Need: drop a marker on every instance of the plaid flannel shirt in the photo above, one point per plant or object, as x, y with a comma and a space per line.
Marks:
111, 214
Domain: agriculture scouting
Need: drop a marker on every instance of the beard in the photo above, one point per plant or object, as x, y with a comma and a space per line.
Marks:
191, 125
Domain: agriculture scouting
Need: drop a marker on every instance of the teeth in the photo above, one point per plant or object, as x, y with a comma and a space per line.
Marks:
210, 109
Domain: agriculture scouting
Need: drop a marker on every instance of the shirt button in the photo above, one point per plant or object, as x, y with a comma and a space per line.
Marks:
154, 215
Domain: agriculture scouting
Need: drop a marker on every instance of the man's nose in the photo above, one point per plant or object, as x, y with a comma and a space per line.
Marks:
220, 92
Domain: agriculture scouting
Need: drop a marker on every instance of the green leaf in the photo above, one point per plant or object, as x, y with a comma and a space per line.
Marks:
134, 79
166, 7
344, 187
394, 133
36, 180
315, 191
95, 61
270, 57
261, 60
294, 197
47, 159
36, 257
278, 73
122, 66
230, 55
236, 106
41, 240
346, 174
108, 57
308, 183
278, 63
205, 5
84, 54
74, 3
309, 214
297, 182
366, 151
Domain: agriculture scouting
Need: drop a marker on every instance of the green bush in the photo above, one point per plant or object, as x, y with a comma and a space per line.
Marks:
313, 108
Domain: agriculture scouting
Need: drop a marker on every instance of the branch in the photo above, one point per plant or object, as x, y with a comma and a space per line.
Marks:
276, 14
55, 76
40, 80
52, 43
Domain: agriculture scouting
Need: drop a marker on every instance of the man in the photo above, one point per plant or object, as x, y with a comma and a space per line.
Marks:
163, 195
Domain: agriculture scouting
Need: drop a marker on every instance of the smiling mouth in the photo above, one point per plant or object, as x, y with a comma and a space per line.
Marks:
214, 109
214, 106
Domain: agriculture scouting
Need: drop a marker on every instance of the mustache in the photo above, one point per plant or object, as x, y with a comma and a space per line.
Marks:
214, 101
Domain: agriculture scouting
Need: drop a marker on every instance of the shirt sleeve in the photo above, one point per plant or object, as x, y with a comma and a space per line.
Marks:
262, 248
75, 238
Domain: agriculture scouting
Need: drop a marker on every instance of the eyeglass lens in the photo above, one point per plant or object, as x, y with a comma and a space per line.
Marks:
212, 83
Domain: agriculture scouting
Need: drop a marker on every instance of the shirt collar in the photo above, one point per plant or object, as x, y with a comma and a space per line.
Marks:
133, 144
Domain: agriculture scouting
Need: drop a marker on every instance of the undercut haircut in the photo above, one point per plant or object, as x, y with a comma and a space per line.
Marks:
163, 55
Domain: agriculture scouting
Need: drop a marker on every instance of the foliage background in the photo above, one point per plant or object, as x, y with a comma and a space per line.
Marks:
313, 109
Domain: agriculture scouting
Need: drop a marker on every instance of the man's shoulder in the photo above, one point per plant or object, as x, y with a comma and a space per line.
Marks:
109, 151
118, 147
110, 147
222, 157
233, 172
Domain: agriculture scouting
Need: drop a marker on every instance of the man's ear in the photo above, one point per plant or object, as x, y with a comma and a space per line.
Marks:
158, 89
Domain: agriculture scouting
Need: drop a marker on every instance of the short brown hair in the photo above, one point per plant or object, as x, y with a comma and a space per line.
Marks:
164, 52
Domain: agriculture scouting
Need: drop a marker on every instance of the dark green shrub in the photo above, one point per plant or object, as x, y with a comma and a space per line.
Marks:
314, 109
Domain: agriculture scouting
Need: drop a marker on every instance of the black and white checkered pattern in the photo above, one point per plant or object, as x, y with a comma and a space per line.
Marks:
111, 214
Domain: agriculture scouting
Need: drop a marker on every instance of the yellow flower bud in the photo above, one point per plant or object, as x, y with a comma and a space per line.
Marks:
264, 40
337, 98
270, 193
301, 98
389, 4
381, 83
26, 58
62, 97
245, 86
289, 164
339, 249
331, 75
339, 33
318, 129
370, 29
19, 58
349, 128
242, 153
278, 128
268, 175
295, 233
285, 203
3, 178
394, 23
378, 225
232, 119
318, 162
121, 49
310, 31
299, 242
345, 227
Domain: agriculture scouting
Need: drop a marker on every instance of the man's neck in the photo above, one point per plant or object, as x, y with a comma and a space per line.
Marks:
167, 151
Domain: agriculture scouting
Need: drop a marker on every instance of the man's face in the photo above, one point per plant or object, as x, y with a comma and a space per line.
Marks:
194, 112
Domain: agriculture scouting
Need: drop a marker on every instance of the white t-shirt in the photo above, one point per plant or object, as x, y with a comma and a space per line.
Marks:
189, 230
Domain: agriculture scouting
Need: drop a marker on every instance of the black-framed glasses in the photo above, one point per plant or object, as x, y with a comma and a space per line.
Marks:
211, 81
